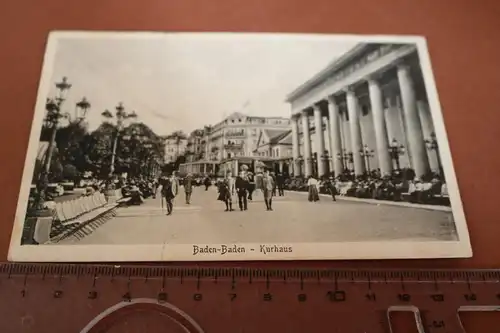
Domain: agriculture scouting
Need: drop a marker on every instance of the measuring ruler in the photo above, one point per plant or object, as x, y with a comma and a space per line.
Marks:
104, 298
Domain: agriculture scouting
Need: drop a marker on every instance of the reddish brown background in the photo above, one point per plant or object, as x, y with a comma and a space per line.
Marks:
463, 44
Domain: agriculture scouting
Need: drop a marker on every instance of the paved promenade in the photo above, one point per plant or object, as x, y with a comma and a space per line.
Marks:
294, 219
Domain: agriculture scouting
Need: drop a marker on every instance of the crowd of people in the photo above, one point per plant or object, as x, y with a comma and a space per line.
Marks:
402, 185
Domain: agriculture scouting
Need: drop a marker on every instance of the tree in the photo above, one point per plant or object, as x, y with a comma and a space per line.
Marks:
70, 172
56, 171
137, 146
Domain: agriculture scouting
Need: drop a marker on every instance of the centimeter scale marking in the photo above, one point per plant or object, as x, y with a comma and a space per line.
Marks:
434, 297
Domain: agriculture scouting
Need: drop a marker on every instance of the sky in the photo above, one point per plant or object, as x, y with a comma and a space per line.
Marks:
185, 81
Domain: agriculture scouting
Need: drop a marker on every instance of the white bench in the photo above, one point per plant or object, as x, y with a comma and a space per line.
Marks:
81, 216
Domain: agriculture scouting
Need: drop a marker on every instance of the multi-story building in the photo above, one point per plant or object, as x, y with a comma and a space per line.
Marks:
194, 147
233, 142
175, 146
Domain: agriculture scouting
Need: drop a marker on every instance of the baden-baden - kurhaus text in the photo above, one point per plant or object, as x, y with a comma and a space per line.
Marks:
233, 249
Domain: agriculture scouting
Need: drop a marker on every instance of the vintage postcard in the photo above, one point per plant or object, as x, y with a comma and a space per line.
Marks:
237, 146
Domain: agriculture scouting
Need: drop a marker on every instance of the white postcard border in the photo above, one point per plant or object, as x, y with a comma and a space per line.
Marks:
301, 251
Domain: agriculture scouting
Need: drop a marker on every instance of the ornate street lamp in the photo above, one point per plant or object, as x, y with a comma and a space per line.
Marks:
121, 116
367, 154
83, 106
395, 150
432, 144
326, 161
53, 107
63, 87
346, 158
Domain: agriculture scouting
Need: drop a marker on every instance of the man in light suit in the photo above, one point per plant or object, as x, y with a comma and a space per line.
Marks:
169, 189
268, 187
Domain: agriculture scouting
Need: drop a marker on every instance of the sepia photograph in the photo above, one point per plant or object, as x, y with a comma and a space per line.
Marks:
152, 146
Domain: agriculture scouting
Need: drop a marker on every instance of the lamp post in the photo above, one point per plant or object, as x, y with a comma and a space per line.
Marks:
148, 145
346, 158
83, 106
432, 144
121, 116
325, 157
395, 150
300, 163
367, 154
53, 107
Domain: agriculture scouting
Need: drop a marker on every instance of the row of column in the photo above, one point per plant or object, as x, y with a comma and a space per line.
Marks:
414, 133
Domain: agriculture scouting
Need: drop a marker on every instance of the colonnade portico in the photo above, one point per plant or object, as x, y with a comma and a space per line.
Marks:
399, 71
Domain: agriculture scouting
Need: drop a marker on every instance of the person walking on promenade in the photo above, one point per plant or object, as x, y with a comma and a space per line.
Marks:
169, 189
330, 185
154, 189
226, 189
273, 176
207, 182
241, 185
251, 185
268, 185
312, 184
280, 183
188, 187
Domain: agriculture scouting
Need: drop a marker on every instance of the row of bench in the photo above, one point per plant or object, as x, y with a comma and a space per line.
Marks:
80, 217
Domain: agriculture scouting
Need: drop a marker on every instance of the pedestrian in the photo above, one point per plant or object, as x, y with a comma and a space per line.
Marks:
225, 194
154, 188
268, 185
241, 185
207, 182
312, 185
330, 185
251, 185
280, 183
273, 176
188, 187
169, 190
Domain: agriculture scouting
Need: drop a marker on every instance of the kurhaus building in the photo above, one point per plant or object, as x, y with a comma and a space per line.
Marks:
371, 109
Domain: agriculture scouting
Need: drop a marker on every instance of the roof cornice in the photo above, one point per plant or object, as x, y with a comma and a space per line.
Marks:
327, 71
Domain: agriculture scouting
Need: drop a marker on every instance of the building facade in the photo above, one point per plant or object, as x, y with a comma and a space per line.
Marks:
238, 134
367, 110
175, 146
232, 142
275, 149
194, 146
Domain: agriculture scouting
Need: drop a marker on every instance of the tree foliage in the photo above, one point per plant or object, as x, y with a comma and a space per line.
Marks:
78, 150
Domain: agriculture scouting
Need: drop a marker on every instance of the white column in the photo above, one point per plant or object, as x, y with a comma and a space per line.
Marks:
280, 166
427, 130
318, 125
419, 158
328, 144
295, 146
307, 144
335, 136
381, 138
391, 132
355, 128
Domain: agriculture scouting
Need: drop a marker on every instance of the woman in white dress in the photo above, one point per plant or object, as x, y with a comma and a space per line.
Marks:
313, 184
